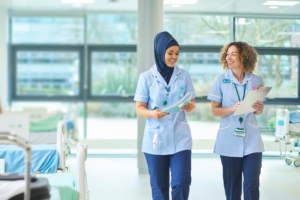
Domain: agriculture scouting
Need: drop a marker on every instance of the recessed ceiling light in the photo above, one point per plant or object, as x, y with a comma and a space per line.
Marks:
77, 2
180, 2
281, 3
217, 32
273, 7
176, 5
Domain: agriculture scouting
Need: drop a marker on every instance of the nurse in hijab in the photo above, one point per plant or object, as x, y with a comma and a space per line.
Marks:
167, 140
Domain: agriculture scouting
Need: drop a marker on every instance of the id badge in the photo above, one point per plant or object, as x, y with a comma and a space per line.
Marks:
240, 132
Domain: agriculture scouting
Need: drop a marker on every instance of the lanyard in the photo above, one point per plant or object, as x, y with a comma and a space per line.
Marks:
237, 92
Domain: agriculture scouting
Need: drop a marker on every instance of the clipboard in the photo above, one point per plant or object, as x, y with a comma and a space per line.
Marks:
250, 99
177, 106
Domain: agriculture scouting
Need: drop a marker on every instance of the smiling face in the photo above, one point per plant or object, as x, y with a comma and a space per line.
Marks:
233, 58
171, 56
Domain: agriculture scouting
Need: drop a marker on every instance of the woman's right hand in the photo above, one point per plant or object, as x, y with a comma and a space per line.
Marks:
157, 114
235, 107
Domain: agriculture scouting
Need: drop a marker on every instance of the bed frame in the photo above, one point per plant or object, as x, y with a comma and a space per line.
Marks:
81, 156
283, 133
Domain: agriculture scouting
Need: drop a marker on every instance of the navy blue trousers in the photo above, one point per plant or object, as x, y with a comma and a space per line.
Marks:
159, 169
233, 170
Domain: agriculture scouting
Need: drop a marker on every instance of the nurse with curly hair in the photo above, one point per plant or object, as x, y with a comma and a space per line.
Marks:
239, 141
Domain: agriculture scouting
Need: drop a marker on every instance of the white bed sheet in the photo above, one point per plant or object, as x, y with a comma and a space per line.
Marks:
295, 127
43, 137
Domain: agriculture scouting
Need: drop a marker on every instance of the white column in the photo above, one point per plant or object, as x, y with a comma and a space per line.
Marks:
3, 59
150, 22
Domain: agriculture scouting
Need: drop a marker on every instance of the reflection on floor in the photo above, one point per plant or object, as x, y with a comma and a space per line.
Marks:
117, 179
126, 129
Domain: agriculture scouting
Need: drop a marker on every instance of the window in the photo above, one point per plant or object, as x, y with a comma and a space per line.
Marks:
203, 68
46, 72
47, 30
280, 72
113, 73
198, 29
112, 29
268, 32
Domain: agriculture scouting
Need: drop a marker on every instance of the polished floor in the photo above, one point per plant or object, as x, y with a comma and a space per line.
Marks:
118, 179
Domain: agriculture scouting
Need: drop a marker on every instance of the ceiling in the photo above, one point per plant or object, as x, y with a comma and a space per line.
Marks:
239, 7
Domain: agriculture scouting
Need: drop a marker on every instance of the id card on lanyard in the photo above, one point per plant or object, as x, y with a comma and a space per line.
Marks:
240, 132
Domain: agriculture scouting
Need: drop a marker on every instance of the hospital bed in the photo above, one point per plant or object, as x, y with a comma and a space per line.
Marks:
47, 158
43, 124
287, 129
40, 187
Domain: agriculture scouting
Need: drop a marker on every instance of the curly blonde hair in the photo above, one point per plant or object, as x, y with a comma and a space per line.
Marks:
247, 54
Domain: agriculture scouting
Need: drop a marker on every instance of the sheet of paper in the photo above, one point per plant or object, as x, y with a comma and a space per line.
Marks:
250, 99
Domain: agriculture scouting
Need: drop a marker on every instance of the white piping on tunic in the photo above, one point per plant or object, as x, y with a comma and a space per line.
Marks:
182, 122
226, 126
215, 96
253, 125
141, 95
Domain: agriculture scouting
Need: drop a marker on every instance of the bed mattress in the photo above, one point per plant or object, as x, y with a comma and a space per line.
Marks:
295, 127
45, 158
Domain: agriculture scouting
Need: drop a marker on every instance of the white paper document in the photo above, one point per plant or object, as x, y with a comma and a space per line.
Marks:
250, 99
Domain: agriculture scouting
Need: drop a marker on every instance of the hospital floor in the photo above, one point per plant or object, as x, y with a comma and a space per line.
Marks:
118, 179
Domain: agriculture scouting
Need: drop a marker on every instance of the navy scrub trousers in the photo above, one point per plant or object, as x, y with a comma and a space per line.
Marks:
233, 170
159, 169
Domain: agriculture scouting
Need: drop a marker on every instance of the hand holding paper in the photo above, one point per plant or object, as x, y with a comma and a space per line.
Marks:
250, 99
177, 106
259, 107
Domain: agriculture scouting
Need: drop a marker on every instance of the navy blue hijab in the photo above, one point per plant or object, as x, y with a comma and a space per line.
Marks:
162, 42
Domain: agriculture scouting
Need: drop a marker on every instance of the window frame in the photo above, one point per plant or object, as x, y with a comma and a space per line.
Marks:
39, 48
106, 48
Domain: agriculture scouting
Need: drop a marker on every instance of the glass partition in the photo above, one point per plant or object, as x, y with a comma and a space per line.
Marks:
198, 29
47, 30
113, 73
268, 32
47, 73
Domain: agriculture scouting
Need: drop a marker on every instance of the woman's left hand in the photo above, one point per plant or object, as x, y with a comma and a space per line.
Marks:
259, 107
190, 106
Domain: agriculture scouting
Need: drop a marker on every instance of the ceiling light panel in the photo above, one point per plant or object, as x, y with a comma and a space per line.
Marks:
180, 2
281, 3
77, 1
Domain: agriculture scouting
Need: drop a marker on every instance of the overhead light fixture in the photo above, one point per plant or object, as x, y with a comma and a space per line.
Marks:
177, 2
176, 5
273, 7
77, 2
217, 32
281, 3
